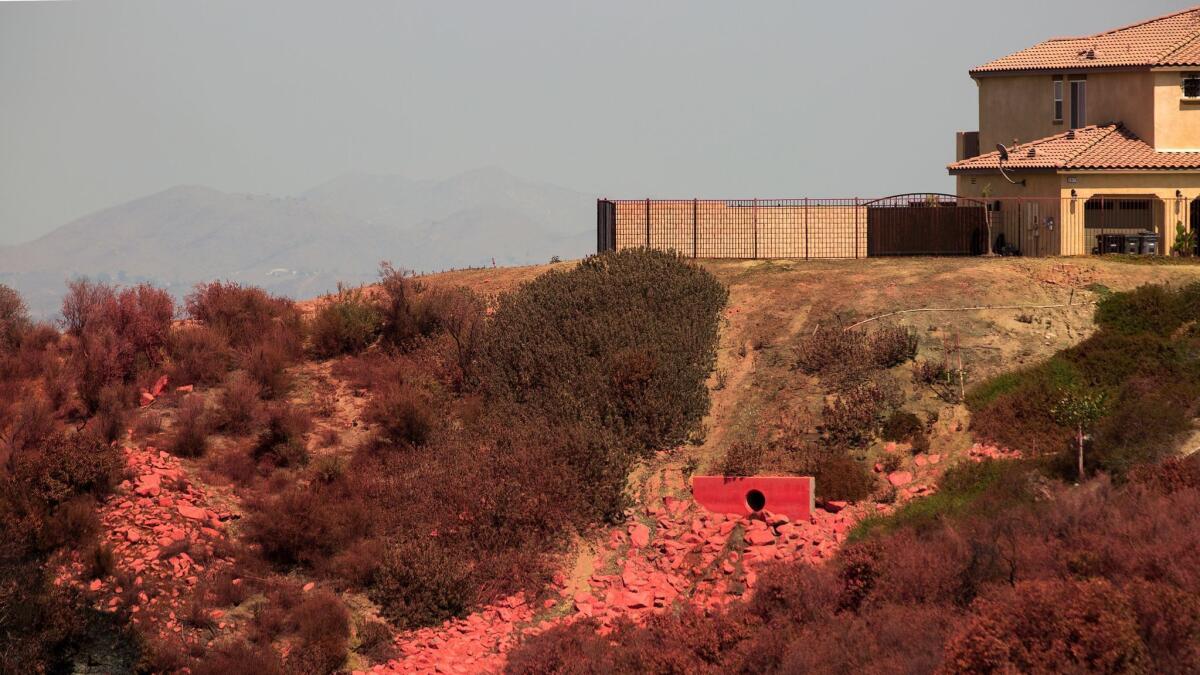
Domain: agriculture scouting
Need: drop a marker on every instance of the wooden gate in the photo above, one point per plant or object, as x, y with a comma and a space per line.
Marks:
926, 224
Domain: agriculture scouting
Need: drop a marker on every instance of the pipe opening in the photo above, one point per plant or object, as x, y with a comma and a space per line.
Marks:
756, 500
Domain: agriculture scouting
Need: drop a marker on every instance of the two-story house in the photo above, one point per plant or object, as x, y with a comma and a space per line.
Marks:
1102, 133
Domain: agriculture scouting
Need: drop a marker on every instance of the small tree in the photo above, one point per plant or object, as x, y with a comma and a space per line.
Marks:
1185, 241
986, 193
1079, 410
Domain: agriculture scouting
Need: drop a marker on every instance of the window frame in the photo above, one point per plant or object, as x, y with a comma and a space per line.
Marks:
1078, 102
1057, 89
1183, 84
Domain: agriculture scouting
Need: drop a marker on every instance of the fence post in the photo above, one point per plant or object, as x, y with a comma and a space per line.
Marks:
695, 229
647, 223
856, 227
806, 207
755, 217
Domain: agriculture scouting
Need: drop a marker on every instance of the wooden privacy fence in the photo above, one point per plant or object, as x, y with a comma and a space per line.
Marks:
910, 224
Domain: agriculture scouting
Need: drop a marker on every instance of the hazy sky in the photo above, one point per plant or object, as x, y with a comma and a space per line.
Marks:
101, 102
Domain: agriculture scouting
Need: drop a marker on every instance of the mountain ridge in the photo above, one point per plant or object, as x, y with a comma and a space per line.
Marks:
336, 231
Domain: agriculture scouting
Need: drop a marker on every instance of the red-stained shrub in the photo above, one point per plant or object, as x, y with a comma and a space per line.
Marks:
199, 355
109, 421
1050, 626
305, 525
852, 418
323, 626
403, 415
239, 408
462, 315
245, 314
282, 442
192, 427
119, 334
266, 362
406, 308
238, 657
31, 420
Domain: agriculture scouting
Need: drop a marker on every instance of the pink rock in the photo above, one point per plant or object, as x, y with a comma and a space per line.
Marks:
920, 460
147, 398
639, 535
899, 478
637, 600
149, 485
191, 512
760, 537
309, 586
835, 505
159, 384
185, 389
95, 585
890, 447
934, 459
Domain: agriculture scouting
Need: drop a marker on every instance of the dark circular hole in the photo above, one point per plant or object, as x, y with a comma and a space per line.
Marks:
756, 500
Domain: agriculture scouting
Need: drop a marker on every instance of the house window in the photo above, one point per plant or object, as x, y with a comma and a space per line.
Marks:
1191, 85
1078, 103
1058, 99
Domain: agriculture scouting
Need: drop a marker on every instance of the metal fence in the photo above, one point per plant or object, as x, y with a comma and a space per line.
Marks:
911, 224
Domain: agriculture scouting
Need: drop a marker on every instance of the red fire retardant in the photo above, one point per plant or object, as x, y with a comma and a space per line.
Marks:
791, 496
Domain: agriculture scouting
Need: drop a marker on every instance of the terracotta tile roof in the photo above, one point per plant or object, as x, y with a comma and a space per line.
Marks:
1107, 146
1172, 40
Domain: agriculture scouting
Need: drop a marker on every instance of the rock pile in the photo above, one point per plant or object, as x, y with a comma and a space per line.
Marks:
982, 451
165, 541
672, 553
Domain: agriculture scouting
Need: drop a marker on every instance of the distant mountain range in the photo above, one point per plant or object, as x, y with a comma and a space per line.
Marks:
302, 246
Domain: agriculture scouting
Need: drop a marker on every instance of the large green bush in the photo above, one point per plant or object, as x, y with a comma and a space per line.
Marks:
624, 341
1144, 360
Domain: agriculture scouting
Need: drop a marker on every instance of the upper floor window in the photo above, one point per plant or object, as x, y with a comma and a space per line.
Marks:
1191, 85
1058, 99
1078, 103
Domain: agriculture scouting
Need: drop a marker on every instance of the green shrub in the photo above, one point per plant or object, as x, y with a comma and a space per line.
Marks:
420, 583
902, 425
407, 309
625, 341
843, 478
348, 324
965, 487
743, 459
852, 418
65, 464
14, 319
842, 357
1149, 309
1143, 424
1015, 410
